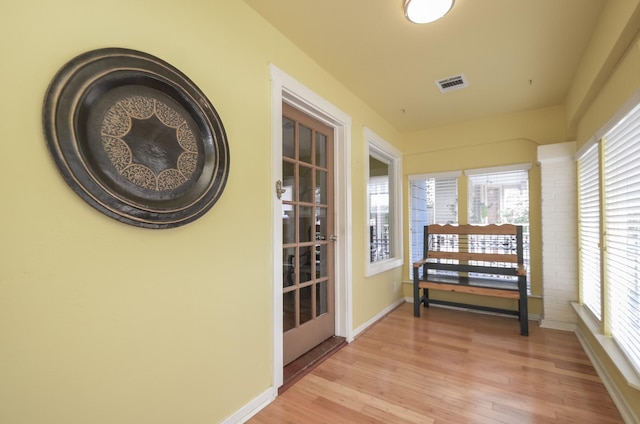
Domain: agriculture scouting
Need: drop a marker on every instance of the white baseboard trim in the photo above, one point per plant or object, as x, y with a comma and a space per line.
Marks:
377, 317
558, 325
252, 408
621, 403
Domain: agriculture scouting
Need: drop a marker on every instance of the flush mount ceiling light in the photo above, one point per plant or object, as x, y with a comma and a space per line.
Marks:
425, 11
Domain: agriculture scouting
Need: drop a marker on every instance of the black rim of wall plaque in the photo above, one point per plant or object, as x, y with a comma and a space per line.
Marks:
135, 138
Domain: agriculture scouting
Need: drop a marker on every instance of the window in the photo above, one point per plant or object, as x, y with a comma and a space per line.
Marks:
621, 151
501, 196
384, 210
380, 247
433, 199
589, 230
609, 234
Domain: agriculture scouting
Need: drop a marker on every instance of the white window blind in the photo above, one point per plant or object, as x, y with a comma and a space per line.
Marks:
433, 200
589, 230
622, 232
501, 197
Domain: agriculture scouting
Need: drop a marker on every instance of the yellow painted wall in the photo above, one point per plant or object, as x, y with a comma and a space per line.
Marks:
617, 27
618, 89
101, 322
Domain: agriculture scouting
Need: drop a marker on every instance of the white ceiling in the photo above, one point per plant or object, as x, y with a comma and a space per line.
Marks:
515, 54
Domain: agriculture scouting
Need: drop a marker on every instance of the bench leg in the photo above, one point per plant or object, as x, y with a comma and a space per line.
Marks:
523, 308
524, 324
416, 294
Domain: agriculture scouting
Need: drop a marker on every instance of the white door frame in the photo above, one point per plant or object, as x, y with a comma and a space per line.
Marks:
286, 89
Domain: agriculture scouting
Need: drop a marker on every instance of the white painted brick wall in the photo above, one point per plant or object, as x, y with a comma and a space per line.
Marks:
559, 234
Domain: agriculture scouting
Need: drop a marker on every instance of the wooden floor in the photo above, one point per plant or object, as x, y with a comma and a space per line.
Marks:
449, 367
304, 364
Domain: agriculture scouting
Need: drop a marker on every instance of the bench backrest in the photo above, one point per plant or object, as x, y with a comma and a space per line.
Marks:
488, 249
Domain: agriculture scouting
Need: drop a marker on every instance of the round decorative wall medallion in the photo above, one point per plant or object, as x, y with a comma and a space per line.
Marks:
136, 138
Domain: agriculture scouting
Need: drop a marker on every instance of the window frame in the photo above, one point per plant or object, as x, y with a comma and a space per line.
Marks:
525, 167
380, 149
419, 177
588, 254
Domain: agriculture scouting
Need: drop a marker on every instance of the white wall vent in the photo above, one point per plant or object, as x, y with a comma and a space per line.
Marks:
451, 83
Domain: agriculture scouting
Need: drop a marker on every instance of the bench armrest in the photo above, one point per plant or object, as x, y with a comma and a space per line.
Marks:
522, 271
419, 263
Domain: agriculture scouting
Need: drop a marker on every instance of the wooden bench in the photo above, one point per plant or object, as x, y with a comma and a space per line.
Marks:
486, 260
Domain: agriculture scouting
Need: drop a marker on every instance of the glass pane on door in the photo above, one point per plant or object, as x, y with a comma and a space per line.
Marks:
322, 258
307, 194
321, 223
289, 310
305, 140
288, 224
307, 262
289, 267
306, 305
288, 138
321, 298
288, 181
321, 187
321, 150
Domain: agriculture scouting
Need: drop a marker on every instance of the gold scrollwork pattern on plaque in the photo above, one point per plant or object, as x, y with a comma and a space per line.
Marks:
118, 122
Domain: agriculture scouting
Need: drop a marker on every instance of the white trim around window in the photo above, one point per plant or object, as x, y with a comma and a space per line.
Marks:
506, 168
377, 147
450, 174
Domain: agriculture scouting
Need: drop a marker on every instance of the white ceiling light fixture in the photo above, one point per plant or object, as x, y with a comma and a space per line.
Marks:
425, 11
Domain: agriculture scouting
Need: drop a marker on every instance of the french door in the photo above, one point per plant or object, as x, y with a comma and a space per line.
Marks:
306, 192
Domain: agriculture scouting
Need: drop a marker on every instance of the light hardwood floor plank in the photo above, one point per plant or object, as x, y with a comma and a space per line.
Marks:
449, 367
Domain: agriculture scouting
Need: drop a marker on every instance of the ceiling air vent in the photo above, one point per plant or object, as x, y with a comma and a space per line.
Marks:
451, 83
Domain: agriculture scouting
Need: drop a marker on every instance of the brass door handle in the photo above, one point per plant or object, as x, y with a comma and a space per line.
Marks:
279, 190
